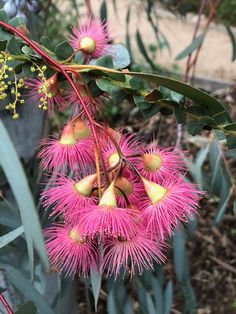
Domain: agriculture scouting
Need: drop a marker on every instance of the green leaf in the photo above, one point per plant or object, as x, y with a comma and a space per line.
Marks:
120, 56
225, 194
103, 11
117, 93
27, 289
3, 16
179, 239
16, 21
127, 36
4, 35
199, 161
3, 44
78, 58
157, 292
104, 61
143, 49
96, 281
196, 43
195, 94
179, 115
171, 95
27, 50
111, 304
11, 236
147, 109
17, 179
150, 305
63, 50
233, 42
27, 308
14, 46
45, 41
137, 83
168, 298
194, 127
231, 142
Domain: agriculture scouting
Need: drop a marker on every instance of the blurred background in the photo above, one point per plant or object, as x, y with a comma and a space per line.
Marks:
193, 41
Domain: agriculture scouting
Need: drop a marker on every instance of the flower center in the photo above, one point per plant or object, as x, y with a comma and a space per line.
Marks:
87, 45
152, 162
113, 159
68, 140
75, 236
122, 184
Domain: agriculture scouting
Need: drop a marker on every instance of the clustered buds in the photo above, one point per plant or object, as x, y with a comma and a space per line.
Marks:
126, 206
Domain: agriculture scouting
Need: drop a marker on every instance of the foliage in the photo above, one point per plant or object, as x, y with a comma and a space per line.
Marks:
150, 93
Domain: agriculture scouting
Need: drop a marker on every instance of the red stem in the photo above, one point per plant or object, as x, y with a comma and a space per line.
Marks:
5, 304
201, 9
89, 9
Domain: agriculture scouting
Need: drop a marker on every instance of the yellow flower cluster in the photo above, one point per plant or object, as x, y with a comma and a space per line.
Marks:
7, 84
44, 88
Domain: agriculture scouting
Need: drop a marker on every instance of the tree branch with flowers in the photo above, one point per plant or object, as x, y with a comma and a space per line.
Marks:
115, 200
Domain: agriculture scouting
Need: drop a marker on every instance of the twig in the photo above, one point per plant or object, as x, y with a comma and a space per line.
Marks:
223, 264
5, 304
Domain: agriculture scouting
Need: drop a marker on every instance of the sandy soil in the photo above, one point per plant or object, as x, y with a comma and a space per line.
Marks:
215, 57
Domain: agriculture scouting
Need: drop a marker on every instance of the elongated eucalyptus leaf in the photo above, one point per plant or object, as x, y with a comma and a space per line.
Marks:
224, 196
157, 292
192, 47
168, 298
17, 179
179, 254
103, 11
27, 289
233, 41
150, 305
96, 281
111, 304
143, 49
127, 35
11, 236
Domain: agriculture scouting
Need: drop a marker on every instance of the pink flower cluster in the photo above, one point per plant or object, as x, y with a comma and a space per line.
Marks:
115, 207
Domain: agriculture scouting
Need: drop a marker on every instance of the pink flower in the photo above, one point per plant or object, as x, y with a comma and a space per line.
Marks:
69, 251
106, 221
45, 92
91, 38
132, 256
168, 204
157, 163
74, 149
129, 146
67, 195
106, 218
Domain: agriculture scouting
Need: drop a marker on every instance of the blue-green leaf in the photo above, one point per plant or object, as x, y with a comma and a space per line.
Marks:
96, 281
168, 298
10, 236
120, 56
27, 289
16, 177
196, 43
